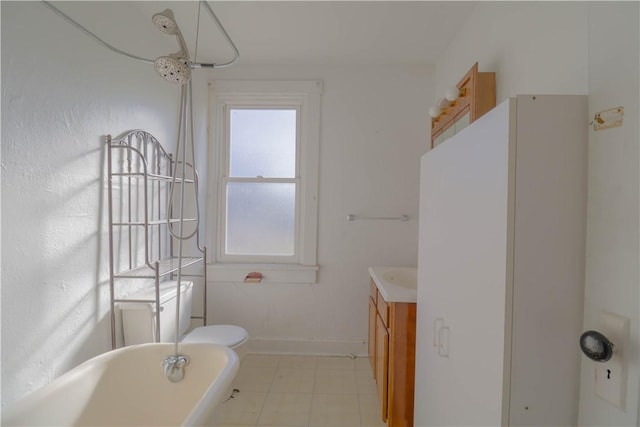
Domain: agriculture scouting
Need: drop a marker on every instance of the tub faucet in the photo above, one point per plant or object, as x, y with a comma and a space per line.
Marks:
174, 367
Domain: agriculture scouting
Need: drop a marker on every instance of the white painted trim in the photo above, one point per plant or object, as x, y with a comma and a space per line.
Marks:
306, 94
272, 273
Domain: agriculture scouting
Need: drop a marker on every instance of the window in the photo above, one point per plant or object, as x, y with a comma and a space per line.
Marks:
265, 158
261, 183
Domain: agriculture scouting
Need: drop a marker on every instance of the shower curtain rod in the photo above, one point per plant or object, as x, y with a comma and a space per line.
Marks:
150, 61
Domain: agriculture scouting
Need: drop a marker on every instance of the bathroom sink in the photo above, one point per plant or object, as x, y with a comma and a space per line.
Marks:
396, 284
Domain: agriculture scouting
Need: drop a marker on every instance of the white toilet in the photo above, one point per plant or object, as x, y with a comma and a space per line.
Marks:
139, 325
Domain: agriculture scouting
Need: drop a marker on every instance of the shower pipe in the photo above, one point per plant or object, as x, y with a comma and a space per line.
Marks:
175, 68
174, 365
213, 16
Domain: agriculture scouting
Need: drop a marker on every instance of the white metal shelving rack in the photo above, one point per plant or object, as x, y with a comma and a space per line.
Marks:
140, 245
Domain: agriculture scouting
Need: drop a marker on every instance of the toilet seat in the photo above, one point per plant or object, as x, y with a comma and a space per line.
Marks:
227, 335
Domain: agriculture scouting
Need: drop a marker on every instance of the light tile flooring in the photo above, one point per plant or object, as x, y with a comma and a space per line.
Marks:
304, 391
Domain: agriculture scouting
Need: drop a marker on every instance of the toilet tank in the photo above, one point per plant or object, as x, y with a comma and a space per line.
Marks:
139, 319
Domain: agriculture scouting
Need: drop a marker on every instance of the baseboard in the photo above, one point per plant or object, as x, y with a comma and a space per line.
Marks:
356, 348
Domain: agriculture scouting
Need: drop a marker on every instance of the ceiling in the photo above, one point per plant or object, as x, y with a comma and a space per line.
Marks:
286, 32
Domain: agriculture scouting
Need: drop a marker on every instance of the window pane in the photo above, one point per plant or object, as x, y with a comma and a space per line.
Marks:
262, 143
261, 218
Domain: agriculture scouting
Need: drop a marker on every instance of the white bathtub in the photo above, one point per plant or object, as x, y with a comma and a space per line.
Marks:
127, 387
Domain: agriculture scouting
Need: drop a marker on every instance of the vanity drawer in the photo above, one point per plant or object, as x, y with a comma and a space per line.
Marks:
373, 291
383, 310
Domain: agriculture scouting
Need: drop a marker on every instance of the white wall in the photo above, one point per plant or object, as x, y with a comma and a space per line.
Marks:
613, 215
373, 131
577, 48
533, 47
61, 93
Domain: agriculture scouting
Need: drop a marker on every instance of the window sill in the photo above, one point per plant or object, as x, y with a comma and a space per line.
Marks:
272, 273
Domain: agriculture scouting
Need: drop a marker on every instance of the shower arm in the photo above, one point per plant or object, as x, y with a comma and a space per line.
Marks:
213, 16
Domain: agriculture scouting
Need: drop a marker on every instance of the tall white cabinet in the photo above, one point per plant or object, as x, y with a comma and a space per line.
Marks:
501, 268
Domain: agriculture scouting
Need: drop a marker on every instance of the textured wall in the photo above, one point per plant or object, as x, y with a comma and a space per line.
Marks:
61, 93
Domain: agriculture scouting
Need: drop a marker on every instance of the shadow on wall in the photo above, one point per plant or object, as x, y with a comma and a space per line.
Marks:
53, 281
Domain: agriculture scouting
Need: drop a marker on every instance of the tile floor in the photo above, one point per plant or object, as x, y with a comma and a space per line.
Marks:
302, 391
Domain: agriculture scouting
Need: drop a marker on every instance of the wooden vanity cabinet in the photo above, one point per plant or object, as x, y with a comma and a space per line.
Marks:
392, 345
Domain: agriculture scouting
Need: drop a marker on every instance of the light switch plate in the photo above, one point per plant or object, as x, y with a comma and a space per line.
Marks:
611, 376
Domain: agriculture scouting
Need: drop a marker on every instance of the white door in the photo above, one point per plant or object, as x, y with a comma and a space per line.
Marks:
462, 352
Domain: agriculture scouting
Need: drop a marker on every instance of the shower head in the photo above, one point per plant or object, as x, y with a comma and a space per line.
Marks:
173, 68
165, 22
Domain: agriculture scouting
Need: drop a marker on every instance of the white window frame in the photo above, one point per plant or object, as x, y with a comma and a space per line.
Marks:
305, 96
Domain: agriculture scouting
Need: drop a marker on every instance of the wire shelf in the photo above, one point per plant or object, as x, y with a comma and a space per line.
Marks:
140, 186
151, 176
155, 222
165, 266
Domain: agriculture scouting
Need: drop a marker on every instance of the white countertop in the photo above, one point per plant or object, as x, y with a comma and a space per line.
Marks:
396, 284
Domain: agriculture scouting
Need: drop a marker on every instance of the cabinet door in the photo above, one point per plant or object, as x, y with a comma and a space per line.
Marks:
372, 336
382, 365
463, 265
402, 335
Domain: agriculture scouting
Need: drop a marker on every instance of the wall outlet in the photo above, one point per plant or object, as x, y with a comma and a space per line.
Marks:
611, 376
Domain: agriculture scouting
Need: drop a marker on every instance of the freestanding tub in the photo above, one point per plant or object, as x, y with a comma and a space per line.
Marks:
127, 387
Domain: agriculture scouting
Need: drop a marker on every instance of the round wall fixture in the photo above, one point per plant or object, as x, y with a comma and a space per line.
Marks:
596, 346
